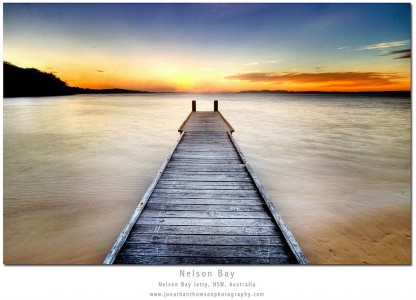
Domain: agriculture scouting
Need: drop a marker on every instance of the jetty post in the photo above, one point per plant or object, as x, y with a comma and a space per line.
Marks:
215, 105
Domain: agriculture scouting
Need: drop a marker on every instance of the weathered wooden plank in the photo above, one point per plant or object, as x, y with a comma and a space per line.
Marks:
203, 207
207, 144
204, 168
225, 196
207, 187
196, 185
204, 158
207, 160
206, 155
217, 167
169, 260
207, 138
224, 150
206, 141
201, 201
199, 144
186, 173
205, 121
205, 251
211, 194
231, 177
207, 134
148, 213
207, 131
207, 175
210, 152
198, 148
195, 239
194, 147
202, 163
205, 222
206, 230
212, 143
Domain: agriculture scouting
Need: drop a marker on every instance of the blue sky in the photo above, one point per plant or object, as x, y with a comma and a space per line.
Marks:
206, 47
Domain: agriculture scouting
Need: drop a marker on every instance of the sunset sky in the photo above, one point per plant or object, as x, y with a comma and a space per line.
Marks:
214, 47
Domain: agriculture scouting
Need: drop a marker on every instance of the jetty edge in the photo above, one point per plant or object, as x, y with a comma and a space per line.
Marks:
206, 205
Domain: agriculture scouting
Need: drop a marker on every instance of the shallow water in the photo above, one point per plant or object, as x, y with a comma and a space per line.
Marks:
337, 168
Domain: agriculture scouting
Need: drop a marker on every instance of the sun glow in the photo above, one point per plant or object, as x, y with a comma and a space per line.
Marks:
194, 49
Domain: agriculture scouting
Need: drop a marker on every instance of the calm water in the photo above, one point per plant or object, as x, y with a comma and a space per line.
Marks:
337, 168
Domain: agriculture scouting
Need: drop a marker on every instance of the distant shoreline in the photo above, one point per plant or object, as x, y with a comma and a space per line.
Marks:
30, 82
123, 92
387, 93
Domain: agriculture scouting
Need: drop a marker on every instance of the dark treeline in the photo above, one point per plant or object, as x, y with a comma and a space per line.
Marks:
20, 82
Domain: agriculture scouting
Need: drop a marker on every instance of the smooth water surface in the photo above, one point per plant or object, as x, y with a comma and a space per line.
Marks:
337, 168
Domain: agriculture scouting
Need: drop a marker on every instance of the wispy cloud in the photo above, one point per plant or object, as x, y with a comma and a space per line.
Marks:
335, 78
259, 62
343, 48
100, 71
405, 53
385, 45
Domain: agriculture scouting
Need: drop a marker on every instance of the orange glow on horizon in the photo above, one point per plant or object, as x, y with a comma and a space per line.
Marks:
181, 78
195, 83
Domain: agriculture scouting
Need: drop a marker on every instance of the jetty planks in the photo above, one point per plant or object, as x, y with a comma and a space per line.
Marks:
206, 206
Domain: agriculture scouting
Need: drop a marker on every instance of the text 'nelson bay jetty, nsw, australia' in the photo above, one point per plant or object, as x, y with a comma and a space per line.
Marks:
206, 206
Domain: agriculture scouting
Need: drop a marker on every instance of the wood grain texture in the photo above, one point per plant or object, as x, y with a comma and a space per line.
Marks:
260, 251
195, 214
205, 121
205, 230
205, 207
175, 260
195, 239
205, 222
207, 201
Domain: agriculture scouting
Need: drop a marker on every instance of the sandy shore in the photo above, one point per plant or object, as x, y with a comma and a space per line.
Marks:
383, 237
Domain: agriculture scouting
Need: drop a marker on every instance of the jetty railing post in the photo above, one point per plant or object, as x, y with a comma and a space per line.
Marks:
193, 105
215, 105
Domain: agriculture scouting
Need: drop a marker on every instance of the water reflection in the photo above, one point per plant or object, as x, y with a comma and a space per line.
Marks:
337, 168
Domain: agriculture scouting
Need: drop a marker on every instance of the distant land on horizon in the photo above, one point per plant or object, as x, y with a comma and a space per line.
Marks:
400, 93
31, 82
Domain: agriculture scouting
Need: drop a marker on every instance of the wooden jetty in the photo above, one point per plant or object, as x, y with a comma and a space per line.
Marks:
206, 206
